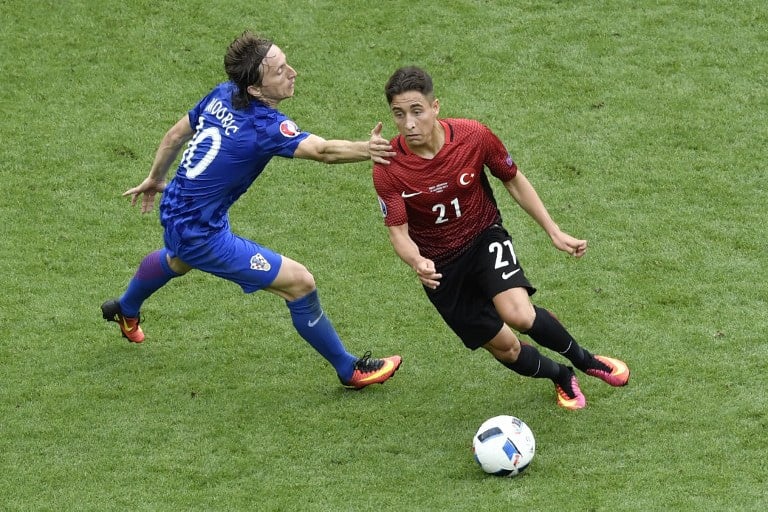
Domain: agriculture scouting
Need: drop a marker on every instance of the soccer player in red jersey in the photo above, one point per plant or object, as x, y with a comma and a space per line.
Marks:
444, 222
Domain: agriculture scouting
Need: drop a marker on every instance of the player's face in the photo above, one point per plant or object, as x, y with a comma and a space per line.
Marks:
415, 116
278, 77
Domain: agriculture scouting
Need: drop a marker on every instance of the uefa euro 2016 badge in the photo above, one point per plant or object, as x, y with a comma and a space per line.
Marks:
289, 128
383, 206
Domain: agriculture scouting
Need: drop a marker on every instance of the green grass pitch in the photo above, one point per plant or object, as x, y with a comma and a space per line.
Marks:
641, 123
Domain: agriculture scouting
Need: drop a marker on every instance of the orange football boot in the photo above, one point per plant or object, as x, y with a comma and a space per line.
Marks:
372, 371
129, 327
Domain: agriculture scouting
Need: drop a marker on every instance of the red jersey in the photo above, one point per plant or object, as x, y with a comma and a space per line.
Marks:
446, 201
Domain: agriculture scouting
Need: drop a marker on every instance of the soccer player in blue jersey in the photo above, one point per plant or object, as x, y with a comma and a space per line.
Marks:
232, 134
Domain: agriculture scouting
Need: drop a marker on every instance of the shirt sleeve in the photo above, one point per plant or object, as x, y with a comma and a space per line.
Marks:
497, 158
391, 203
282, 136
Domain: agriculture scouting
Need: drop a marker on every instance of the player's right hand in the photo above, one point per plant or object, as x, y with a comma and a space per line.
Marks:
427, 273
147, 189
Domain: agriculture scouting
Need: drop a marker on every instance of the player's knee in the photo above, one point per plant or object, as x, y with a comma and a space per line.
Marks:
505, 346
305, 282
177, 265
293, 281
519, 318
302, 283
511, 354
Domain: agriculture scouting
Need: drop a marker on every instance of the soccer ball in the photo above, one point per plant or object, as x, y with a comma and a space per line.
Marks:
504, 446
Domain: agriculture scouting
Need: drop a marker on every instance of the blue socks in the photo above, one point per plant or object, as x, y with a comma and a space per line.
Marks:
307, 315
153, 273
312, 325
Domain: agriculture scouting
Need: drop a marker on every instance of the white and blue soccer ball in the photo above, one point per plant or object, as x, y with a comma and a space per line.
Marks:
504, 446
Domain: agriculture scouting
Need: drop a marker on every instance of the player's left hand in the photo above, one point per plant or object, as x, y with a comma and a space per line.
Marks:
569, 244
379, 147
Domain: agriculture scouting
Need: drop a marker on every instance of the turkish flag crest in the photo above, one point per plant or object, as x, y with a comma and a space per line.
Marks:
466, 177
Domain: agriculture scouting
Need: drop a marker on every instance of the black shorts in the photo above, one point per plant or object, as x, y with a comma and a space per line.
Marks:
470, 282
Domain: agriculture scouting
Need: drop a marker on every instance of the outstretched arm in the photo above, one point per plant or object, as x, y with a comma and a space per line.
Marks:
523, 192
319, 149
166, 154
407, 250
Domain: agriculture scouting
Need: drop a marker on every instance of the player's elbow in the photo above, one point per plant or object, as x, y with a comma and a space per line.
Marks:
328, 158
317, 154
175, 139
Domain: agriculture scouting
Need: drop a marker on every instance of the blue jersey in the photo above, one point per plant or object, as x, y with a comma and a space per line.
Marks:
228, 152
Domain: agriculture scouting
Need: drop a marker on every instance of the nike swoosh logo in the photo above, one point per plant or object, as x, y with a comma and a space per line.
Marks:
126, 327
313, 323
410, 195
507, 275
385, 368
619, 367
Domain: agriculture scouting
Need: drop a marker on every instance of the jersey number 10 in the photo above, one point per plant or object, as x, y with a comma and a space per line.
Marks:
193, 171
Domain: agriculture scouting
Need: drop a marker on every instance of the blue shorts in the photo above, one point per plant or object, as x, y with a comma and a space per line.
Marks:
226, 255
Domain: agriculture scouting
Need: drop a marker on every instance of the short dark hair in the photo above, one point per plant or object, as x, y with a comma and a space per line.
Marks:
409, 78
242, 62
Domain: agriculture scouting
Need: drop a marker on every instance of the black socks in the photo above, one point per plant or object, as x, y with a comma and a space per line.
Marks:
548, 332
530, 363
